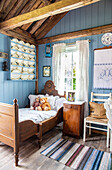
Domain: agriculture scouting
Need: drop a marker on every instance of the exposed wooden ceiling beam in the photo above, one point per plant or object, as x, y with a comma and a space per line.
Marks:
41, 13
24, 33
17, 9
77, 34
37, 25
7, 2
3, 6
43, 27
2, 2
26, 26
20, 34
9, 8
46, 2
52, 21
28, 6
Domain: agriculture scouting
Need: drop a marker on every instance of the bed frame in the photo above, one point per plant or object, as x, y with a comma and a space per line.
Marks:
13, 133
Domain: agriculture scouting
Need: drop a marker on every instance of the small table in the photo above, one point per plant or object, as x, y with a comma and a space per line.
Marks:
73, 118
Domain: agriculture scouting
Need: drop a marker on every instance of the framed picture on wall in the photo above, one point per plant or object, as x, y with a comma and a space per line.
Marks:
46, 71
48, 50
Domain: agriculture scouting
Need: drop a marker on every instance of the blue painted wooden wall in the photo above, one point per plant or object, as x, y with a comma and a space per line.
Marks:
12, 89
90, 16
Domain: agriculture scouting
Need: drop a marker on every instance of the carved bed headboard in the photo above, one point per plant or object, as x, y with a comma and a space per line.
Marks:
49, 88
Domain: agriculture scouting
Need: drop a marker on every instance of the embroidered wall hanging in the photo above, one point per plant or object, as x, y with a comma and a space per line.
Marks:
103, 68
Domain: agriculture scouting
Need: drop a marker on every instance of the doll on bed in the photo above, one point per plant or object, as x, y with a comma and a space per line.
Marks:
36, 105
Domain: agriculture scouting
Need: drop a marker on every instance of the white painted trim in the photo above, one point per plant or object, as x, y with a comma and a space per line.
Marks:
97, 128
98, 123
99, 94
99, 100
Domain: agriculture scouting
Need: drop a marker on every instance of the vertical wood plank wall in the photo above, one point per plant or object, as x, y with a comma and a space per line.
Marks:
90, 16
36, 83
12, 89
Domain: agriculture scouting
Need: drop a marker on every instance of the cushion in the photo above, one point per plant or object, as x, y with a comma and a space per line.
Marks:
97, 110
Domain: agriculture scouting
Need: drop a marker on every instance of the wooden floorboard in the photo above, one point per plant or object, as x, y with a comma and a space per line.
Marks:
30, 157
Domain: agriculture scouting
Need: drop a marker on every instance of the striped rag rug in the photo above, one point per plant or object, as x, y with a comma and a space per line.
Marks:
78, 156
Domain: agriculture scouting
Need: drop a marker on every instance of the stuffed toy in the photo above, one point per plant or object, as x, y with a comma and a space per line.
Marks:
36, 105
44, 104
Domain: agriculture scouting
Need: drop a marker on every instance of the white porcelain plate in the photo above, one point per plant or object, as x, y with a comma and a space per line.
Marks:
107, 39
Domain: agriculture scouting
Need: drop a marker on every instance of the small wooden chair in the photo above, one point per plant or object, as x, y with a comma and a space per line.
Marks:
90, 121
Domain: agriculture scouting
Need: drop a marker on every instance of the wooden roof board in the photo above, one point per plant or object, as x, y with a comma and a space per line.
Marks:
35, 30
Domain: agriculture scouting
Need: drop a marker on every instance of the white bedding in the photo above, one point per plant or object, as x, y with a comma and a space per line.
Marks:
38, 116
35, 116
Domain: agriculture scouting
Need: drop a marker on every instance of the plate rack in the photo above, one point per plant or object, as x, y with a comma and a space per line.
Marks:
22, 61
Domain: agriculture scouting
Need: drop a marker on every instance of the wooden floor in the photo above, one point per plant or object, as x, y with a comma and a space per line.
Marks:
30, 157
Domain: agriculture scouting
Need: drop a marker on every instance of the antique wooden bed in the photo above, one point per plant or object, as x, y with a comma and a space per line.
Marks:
13, 133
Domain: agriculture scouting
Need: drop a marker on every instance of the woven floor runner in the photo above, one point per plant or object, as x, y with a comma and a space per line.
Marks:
78, 156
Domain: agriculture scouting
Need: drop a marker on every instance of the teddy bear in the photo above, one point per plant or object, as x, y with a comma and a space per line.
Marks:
36, 105
44, 104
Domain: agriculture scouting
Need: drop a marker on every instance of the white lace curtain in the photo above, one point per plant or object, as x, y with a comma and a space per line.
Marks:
82, 70
58, 66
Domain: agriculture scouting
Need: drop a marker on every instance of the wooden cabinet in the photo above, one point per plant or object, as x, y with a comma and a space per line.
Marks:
73, 118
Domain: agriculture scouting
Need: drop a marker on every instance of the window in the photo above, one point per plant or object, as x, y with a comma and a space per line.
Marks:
70, 68
70, 71
64, 65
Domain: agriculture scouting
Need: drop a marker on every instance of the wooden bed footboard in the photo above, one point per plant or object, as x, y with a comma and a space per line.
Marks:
9, 132
13, 133
27, 129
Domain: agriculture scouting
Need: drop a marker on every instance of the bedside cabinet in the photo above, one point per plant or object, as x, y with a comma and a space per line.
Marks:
73, 118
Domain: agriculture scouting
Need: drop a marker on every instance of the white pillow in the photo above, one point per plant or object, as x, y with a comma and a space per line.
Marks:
56, 98
59, 102
33, 97
46, 95
51, 100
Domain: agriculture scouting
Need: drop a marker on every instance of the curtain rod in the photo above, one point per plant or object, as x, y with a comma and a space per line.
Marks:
71, 43
74, 43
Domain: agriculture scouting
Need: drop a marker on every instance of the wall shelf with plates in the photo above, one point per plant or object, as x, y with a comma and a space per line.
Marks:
22, 61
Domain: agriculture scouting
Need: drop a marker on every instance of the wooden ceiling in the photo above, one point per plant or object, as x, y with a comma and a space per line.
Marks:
32, 29
28, 32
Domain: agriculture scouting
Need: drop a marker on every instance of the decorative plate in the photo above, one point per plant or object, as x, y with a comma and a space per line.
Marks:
27, 44
15, 76
25, 70
31, 77
107, 39
24, 77
15, 40
22, 42
32, 46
